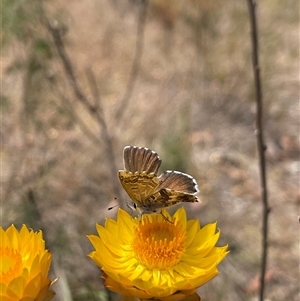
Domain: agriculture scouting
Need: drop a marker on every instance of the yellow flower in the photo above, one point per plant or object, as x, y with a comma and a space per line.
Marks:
24, 266
160, 257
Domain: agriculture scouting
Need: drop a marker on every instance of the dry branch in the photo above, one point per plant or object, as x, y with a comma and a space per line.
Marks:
94, 110
260, 144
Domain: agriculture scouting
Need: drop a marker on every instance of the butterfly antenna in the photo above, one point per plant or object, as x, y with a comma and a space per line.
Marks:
112, 207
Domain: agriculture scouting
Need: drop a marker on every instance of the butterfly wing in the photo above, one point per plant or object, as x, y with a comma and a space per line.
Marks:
175, 187
139, 185
166, 198
178, 181
139, 177
141, 159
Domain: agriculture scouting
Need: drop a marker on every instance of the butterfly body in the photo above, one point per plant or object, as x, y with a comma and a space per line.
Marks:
149, 192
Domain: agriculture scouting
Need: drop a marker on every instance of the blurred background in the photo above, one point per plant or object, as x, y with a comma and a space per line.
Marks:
82, 79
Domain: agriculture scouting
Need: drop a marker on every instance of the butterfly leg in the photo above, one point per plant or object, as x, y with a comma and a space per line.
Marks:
165, 218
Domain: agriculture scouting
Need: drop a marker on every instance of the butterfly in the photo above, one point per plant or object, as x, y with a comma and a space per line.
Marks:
149, 192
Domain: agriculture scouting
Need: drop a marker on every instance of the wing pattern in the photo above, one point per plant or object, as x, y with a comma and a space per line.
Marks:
139, 185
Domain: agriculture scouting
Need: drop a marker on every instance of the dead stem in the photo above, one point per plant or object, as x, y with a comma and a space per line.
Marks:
260, 144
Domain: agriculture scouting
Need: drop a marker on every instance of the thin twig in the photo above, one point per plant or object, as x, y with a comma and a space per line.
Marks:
137, 59
260, 144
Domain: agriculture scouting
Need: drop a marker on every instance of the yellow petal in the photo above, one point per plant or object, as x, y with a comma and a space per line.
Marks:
138, 271
204, 279
15, 288
6, 298
159, 292
180, 215
201, 251
107, 238
203, 235
111, 225
193, 227
187, 270
95, 240
122, 290
12, 233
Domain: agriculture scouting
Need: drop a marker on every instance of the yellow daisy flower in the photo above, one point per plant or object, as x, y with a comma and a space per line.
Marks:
160, 257
24, 266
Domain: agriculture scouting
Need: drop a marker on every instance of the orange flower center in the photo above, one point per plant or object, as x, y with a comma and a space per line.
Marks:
158, 243
10, 264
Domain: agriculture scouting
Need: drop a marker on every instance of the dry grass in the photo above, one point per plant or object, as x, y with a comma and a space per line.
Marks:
192, 103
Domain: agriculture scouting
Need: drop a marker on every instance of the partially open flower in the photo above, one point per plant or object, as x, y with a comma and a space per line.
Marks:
24, 266
159, 257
